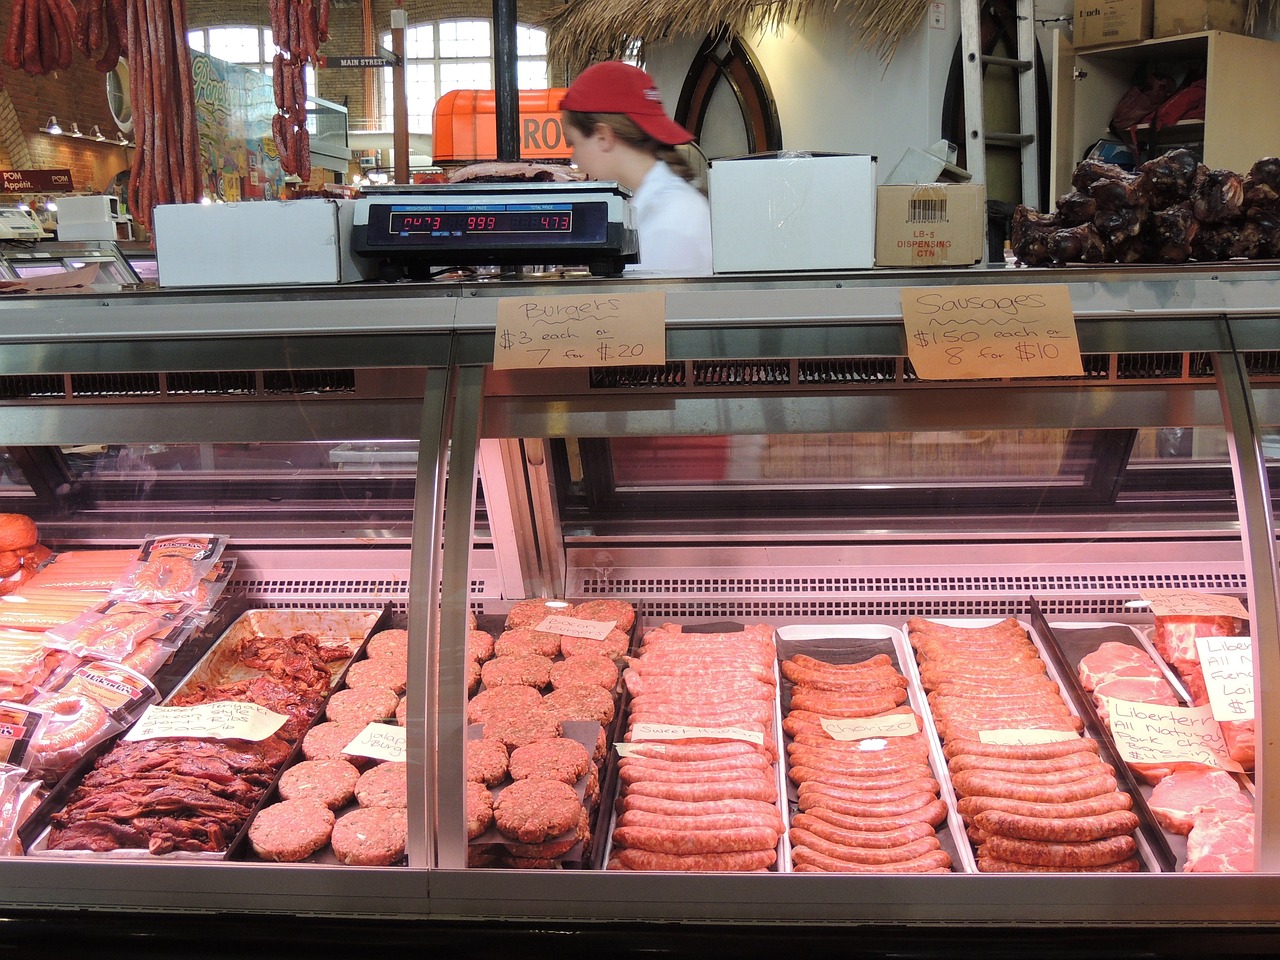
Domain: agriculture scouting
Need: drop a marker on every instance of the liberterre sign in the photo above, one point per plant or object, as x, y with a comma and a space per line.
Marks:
35, 181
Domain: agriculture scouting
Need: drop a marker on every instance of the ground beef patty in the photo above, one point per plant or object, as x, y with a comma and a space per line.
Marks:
479, 646
559, 759
530, 613
479, 809
486, 762
586, 669
581, 702
622, 613
332, 782
361, 705
501, 700
378, 672
370, 836
325, 741
291, 830
549, 849
533, 811
527, 670
515, 729
523, 640
383, 786
389, 644
614, 645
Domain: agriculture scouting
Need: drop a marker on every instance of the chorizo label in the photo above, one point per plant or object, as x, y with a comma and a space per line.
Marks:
1023, 737
219, 720
1227, 665
666, 731
379, 741
1154, 733
573, 627
864, 728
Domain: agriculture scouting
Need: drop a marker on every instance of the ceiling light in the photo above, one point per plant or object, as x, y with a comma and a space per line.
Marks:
52, 126
96, 133
75, 130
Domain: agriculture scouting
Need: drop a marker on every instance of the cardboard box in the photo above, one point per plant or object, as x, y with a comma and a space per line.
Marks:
256, 242
1174, 17
931, 225
785, 212
1104, 22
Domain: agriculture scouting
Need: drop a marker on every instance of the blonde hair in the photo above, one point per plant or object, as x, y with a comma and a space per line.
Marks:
629, 132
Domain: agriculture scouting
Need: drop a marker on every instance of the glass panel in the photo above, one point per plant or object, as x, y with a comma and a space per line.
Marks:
465, 38
531, 42
466, 76
12, 480
531, 74
196, 40
181, 461
236, 44
1207, 445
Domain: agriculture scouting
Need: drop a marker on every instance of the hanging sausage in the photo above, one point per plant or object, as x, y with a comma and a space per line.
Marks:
298, 27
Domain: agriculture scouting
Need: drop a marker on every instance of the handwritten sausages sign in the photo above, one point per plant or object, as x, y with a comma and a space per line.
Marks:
994, 331
623, 329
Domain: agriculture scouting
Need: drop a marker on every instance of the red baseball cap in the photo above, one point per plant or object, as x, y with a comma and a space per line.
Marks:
616, 87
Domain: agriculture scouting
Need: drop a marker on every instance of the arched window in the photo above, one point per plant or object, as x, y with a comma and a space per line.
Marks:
251, 47
449, 55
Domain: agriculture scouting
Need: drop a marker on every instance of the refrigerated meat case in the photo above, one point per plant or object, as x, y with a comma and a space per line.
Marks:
783, 465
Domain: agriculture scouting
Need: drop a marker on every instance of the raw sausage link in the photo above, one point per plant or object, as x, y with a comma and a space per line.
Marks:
1048, 778
935, 861
736, 789
689, 842
860, 808
971, 782
821, 826
1029, 751
632, 859
1038, 853
878, 795
996, 865
712, 821
1074, 829
932, 813
966, 761
766, 812
854, 854
970, 807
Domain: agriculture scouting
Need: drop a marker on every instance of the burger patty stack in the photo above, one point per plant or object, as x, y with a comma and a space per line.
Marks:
698, 783
1050, 807
867, 805
540, 703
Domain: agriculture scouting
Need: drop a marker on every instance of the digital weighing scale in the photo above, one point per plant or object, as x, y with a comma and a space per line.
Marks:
445, 225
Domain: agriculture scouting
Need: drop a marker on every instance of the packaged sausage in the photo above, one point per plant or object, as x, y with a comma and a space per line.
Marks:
170, 569
94, 701
114, 629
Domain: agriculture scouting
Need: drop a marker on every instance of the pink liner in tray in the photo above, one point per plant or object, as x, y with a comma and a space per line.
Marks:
875, 638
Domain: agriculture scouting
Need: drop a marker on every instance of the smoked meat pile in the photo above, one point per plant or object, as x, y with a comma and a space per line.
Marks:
1170, 210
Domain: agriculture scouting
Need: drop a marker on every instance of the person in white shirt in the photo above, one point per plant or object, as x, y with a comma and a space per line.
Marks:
615, 123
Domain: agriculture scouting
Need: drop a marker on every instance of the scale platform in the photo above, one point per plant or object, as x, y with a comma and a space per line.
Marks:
441, 226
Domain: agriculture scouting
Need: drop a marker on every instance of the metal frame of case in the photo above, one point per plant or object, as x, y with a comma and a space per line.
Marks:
463, 418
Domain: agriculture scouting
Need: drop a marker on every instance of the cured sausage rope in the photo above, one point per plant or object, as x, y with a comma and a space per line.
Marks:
41, 36
298, 28
166, 168
101, 26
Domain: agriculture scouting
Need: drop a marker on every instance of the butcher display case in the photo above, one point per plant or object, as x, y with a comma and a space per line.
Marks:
783, 465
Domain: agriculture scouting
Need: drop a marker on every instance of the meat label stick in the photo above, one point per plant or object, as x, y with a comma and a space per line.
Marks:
575, 331
991, 332
379, 741
1153, 733
863, 728
217, 720
666, 731
1227, 665
573, 627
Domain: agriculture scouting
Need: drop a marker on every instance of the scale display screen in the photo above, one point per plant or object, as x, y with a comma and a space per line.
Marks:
478, 225
489, 222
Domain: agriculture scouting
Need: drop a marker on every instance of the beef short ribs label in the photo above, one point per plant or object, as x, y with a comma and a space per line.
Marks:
666, 731
867, 728
217, 720
573, 627
1154, 733
379, 741
1024, 737
1227, 665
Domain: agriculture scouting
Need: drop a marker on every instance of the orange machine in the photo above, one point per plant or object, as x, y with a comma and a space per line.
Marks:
466, 126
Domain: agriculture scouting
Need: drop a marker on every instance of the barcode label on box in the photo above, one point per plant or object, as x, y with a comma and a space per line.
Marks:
921, 210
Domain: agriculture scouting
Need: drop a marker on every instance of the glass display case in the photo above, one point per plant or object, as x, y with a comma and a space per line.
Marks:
783, 466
